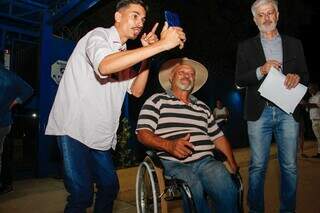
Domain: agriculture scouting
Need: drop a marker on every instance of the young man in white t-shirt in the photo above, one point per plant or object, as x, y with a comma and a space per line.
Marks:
85, 114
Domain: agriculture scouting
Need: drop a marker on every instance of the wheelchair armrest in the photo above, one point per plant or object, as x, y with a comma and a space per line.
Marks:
219, 155
237, 179
155, 158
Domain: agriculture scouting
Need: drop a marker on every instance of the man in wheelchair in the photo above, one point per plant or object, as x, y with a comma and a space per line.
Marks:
183, 131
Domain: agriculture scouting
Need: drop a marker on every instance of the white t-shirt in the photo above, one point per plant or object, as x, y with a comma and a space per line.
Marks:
84, 108
315, 112
222, 111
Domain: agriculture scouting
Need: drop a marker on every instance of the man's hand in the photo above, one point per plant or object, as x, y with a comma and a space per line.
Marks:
172, 37
291, 81
233, 167
151, 37
180, 148
264, 69
13, 104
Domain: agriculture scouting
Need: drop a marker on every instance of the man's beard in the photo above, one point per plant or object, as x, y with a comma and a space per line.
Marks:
267, 28
185, 87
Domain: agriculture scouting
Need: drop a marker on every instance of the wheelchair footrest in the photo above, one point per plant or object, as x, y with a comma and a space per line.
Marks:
173, 189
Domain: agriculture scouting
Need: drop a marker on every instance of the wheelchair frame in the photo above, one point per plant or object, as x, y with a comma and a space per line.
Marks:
154, 189
162, 189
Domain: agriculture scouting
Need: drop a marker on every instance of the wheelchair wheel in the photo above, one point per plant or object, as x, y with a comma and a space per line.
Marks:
147, 189
154, 191
185, 191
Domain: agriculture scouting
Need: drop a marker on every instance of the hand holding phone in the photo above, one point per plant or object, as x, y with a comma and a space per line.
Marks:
172, 18
174, 35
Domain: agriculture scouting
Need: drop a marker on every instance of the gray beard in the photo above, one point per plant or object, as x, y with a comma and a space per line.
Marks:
264, 29
185, 87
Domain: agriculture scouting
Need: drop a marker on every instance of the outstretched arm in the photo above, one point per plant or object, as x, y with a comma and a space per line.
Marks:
170, 38
139, 84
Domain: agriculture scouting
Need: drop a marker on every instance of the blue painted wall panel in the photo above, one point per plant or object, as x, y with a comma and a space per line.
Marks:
51, 50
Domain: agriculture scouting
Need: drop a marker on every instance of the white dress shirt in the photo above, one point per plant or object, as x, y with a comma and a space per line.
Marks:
217, 112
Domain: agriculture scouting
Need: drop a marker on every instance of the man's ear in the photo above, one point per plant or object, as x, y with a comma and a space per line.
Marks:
117, 16
255, 21
170, 77
277, 16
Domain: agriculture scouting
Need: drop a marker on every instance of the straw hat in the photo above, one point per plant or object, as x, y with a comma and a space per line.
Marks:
166, 68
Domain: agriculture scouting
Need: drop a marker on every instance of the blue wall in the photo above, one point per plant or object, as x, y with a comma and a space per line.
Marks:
51, 50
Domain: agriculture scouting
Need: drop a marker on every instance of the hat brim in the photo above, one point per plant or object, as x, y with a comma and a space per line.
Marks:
201, 72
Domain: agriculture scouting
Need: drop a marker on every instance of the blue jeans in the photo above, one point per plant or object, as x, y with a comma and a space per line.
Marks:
83, 167
286, 131
206, 177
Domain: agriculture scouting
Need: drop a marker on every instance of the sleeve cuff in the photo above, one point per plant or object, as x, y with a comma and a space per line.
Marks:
100, 55
258, 73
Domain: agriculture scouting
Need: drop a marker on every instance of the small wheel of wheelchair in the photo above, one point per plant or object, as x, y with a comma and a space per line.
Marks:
184, 191
147, 189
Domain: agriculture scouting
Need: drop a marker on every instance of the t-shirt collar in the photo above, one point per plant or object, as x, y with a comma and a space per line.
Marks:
115, 38
193, 99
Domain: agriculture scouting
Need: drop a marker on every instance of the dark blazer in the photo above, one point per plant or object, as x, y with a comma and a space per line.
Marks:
250, 56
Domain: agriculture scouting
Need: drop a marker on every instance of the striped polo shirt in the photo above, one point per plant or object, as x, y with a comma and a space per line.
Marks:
169, 118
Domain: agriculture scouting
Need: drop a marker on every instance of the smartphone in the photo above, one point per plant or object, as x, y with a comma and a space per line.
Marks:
172, 18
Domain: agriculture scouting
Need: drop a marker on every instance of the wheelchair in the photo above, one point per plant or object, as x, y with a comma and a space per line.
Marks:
155, 191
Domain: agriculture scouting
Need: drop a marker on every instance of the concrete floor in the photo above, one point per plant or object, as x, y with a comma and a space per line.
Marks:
48, 195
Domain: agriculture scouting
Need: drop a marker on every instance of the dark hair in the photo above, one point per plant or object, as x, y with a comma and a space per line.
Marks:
126, 3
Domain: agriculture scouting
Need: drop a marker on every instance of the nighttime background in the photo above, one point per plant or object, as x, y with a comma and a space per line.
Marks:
213, 29
38, 33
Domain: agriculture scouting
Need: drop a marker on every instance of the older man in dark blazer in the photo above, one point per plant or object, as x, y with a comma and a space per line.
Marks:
255, 57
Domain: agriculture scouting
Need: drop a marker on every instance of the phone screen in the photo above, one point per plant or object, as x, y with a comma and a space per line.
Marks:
172, 18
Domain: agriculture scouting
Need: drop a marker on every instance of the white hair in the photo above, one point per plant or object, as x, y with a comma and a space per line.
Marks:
258, 3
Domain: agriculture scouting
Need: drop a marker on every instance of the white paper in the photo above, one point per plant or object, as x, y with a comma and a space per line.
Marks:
273, 89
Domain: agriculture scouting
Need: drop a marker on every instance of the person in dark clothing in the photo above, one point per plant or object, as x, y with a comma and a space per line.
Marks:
13, 90
255, 58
